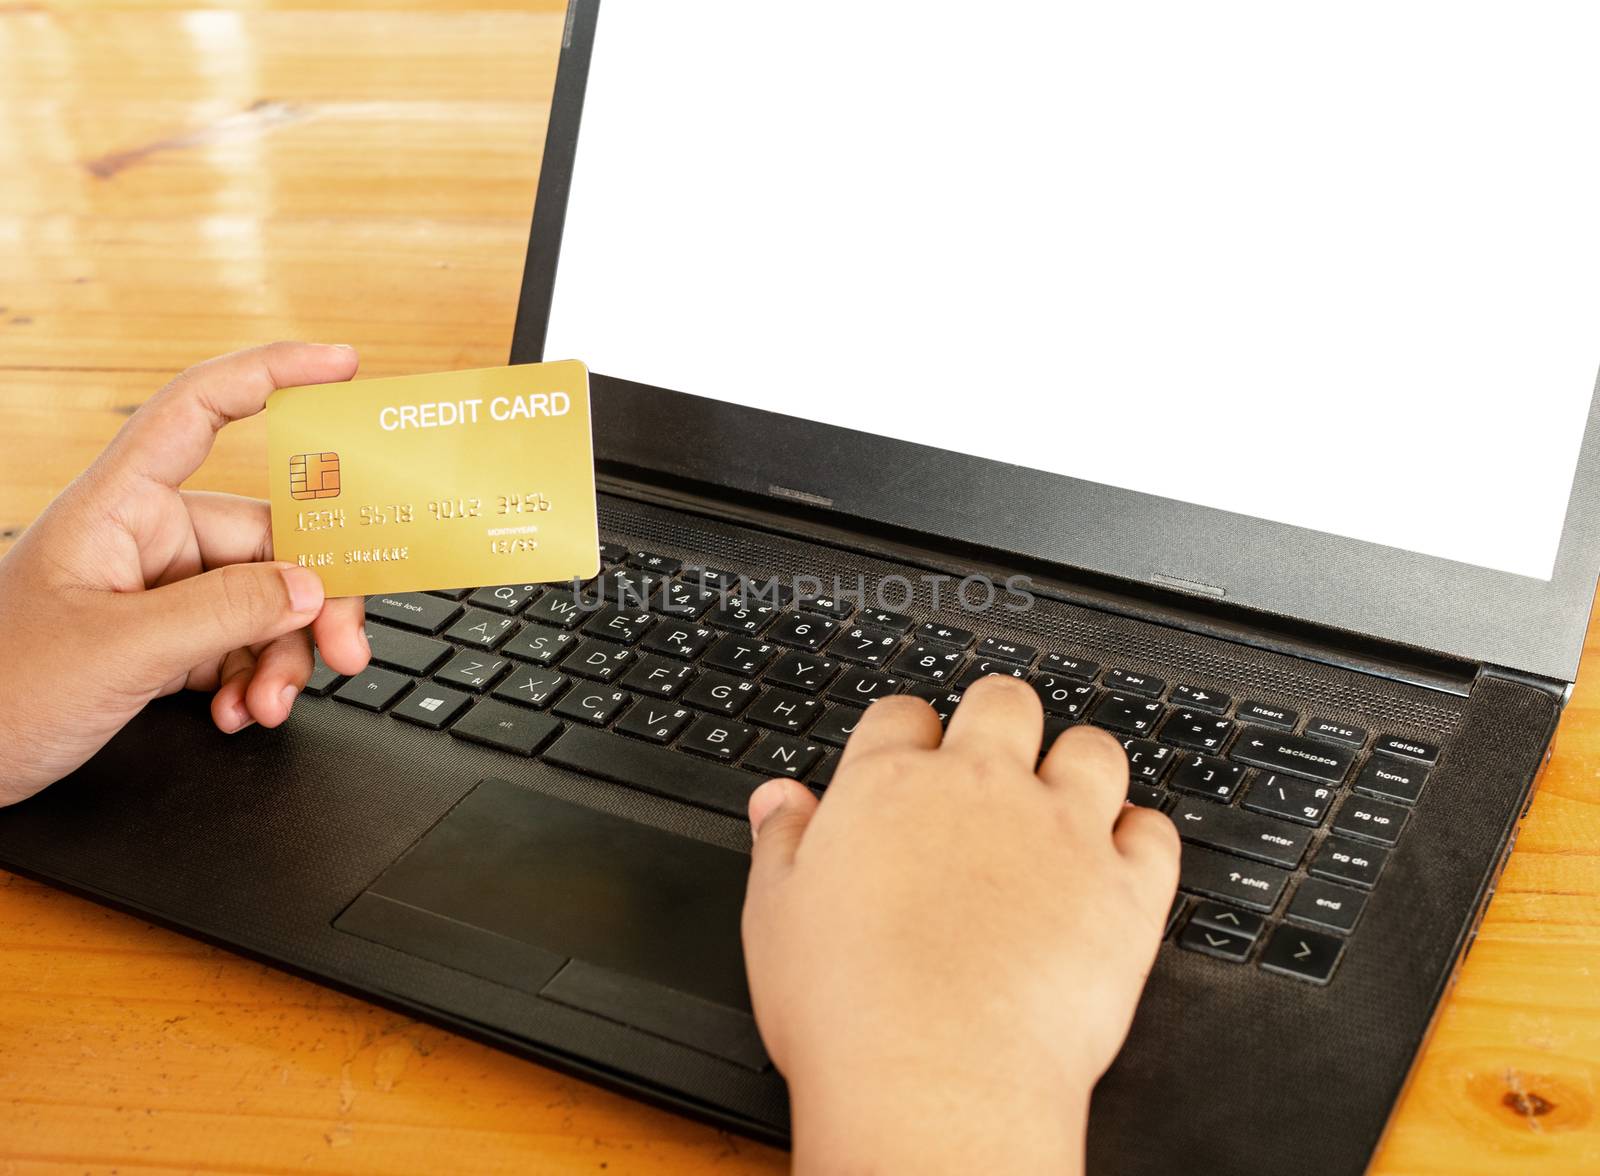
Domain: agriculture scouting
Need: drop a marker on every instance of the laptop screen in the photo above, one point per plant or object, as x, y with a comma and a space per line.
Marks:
1323, 266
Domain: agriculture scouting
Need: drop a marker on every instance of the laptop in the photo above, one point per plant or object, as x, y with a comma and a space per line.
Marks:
1228, 376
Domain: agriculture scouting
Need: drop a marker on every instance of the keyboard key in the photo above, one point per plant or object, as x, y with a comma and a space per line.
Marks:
1224, 918
836, 724
1147, 760
631, 589
983, 667
1070, 667
1208, 776
1132, 716
929, 661
612, 553
430, 705
660, 677
722, 693
869, 646
532, 686
1268, 715
1176, 909
1196, 731
742, 616
599, 660
712, 577
861, 686
1407, 748
1323, 762
659, 770
539, 644
411, 652
1200, 699
773, 590
676, 640
1006, 651
475, 671
450, 593
945, 634
648, 561
1337, 732
1146, 795
322, 679
480, 629
659, 722
506, 598
1326, 905
802, 671
1224, 945
892, 621
942, 699
828, 606
421, 611
740, 655
373, 688
1370, 820
781, 755
1305, 955
721, 739
1129, 682
1391, 779
685, 602
1236, 831
613, 623
1231, 879
510, 728
1062, 696
803, 630
559, 608
822, 774
783, 710
1349, 861
592, 704
1283, 796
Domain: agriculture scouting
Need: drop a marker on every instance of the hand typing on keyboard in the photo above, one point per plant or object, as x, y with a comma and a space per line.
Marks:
106, 602
956, 937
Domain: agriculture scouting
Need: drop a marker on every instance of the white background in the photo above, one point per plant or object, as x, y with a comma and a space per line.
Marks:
1333, 265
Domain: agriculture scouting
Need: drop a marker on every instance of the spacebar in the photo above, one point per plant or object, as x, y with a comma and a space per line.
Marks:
653, 769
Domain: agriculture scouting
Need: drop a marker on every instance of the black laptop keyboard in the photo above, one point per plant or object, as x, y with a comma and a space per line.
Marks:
696, 684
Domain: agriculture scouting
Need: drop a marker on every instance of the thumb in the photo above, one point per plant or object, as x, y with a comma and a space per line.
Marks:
780, 811
190, 622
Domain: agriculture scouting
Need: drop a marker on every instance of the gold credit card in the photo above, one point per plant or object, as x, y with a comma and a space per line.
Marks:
455, 480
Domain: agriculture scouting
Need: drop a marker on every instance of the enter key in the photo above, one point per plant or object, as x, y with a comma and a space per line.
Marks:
1250, 835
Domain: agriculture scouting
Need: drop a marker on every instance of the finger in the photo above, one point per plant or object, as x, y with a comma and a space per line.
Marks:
998, 716
170, 435
898, 721
780, 811
282, 667
229, 528
1089, 766
228, 709
1149, 842
340, 631
165, 632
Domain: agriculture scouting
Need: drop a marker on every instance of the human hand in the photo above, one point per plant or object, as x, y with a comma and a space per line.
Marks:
946, 955
127, 588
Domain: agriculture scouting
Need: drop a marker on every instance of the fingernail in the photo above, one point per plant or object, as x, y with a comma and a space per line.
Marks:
346, 346
765, 801
305, 588
287, 694
238, 719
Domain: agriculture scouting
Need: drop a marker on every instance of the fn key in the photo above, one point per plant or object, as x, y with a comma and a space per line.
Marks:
510, 728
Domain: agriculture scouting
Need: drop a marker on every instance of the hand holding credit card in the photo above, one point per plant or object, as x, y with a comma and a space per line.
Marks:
453, 480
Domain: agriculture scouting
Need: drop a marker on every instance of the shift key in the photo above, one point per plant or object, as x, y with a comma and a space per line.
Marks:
1292, 755
1231, 879
1250, 835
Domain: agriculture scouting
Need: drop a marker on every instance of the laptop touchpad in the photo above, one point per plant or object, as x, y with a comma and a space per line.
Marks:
581, 907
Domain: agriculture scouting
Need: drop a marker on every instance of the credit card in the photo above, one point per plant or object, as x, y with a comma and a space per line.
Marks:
454, 480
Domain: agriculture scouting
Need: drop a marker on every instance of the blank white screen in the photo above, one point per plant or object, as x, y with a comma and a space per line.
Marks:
1336, 266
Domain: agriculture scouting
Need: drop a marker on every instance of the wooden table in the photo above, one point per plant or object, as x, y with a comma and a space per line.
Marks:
178, 181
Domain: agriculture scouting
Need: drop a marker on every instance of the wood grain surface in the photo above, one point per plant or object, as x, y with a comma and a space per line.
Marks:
178, 181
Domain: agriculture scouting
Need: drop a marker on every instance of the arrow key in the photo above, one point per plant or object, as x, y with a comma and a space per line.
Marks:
1225, 918
1224, 945
1305, 955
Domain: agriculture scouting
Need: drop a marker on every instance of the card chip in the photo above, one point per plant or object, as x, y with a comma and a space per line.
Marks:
314, 475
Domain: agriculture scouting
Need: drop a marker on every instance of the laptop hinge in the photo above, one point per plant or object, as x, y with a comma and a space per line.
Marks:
1562, 691
1187, 611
